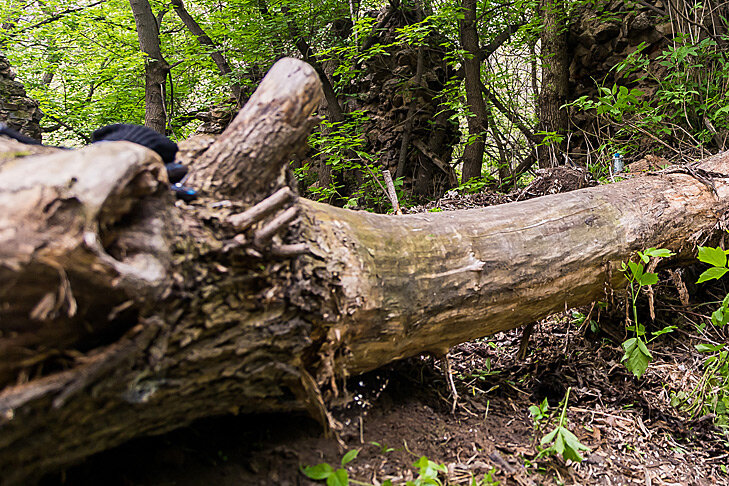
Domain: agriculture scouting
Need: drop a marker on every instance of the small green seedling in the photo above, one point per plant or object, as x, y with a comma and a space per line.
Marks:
324, 471
488, 479
427, 473
539, 413
637, 357
561, 441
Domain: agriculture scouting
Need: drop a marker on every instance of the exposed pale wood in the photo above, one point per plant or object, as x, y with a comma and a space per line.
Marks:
273, 124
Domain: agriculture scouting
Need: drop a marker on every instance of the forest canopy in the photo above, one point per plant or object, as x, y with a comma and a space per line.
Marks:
441, 93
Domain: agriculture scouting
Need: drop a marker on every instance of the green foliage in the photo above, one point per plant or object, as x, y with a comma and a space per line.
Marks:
428, 472
690, 94
711, 394
487, 480
333, 477
539, 412
560, 440
716, 257
637, 357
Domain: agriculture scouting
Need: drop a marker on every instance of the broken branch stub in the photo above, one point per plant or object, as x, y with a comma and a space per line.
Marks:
245, 163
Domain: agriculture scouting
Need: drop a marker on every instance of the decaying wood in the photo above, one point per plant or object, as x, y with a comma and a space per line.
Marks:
233, 323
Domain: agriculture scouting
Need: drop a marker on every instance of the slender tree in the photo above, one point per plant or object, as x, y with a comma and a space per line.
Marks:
205, 40
555, 74
477, 121
156, 67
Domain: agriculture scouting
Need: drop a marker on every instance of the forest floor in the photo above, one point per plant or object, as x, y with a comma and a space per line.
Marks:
404, 411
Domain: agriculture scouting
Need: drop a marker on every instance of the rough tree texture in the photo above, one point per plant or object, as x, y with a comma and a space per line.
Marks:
390, 86
246, 320
16, 109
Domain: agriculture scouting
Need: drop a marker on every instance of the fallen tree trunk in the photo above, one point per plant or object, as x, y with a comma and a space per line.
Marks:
123, 315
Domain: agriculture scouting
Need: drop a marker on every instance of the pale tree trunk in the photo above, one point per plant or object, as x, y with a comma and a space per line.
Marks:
123, 315
555, 78
155, 66
473, 153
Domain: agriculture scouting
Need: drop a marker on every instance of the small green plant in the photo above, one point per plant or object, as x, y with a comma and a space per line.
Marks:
539, 413
560, 440
711, 394
324, 471
383, 447
487, 480
427, 473
637, 357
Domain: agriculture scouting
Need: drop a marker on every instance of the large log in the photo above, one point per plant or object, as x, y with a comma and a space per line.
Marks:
251, 310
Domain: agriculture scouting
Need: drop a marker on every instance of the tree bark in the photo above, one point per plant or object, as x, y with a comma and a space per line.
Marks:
555, 78
169, 314
155, 66
473, 153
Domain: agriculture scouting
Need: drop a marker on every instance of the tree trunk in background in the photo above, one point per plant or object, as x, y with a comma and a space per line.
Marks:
16, 109
473, 153
555, 77
205, 40
155, 66
122, 314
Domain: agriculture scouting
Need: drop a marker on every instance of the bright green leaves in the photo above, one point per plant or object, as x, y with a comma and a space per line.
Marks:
654, 252
427, 472
637, 357
720, 316
560, 440
711, 274
338, 478
349, 457
712, 256
318, 472
716, 257
324, 471
564, 443
539, 412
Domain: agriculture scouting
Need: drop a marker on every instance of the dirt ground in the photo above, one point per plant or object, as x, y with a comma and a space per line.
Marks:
404, 411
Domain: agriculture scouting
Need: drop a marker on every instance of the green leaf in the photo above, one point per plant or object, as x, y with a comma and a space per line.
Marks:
339, 478
643, 349
648, 279
636, 269
712, 256
658, 252
350, 456
318, 472
709, 348
637, 357
712, 273
572, 446
549, 437
719, 317
665, 330
559, 441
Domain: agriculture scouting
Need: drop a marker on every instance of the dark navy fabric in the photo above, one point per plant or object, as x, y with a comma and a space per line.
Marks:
139, 134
